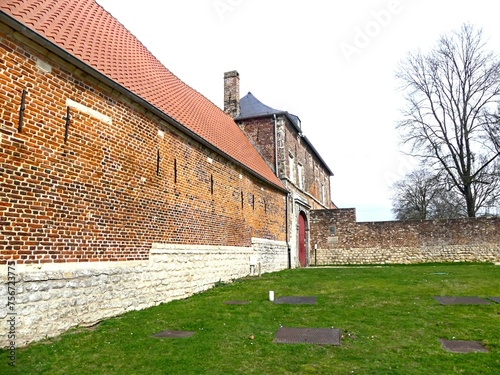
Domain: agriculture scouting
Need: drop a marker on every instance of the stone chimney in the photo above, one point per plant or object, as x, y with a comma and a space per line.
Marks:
232, 93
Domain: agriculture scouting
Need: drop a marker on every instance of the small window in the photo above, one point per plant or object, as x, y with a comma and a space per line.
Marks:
300, 175
291, 164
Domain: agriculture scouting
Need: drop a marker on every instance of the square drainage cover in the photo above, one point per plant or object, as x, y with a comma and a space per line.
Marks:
173, 334
460, 346
236, 303
321, 336
296, 300
495, 299
461, 301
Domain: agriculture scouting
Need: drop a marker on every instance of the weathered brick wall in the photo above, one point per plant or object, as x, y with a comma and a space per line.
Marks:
303, 197
314, 174
339, 239
122, 180
261, 133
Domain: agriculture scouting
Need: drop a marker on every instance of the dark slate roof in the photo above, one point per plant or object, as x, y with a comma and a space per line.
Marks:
251, 107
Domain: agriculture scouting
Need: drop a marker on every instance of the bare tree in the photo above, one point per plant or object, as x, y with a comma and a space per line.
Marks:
412, 196
421, 195
453, 93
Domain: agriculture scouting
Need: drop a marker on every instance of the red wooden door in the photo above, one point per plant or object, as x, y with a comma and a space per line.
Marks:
302, 240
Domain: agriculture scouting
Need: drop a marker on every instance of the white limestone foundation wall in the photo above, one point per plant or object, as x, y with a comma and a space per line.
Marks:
48, 299
409, 255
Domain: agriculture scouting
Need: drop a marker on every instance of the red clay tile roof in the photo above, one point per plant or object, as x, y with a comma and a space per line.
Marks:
88, 32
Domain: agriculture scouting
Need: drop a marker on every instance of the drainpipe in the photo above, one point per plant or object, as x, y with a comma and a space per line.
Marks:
289, 251
276, 145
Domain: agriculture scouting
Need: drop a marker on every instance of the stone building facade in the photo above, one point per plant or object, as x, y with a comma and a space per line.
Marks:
118, 191
279, 138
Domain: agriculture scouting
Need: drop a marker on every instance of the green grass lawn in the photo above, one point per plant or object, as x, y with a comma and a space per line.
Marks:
390, 323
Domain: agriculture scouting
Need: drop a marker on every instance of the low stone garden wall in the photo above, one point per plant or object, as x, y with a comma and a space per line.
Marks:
336, 238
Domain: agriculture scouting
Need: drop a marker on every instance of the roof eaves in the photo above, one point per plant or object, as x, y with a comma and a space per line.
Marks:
317, 154
291, 119
238, 118
299, 130
65, 55
277, 113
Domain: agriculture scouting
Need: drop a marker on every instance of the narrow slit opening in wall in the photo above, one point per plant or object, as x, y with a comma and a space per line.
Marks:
158, 159
66, 128
22, 107
253, 201
212, 184
242, 201
175, 171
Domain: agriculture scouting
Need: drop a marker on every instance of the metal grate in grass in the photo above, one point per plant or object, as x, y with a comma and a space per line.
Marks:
461, 346
296, 300
236, 302
321, 336
173, 334
461, 300
495, 299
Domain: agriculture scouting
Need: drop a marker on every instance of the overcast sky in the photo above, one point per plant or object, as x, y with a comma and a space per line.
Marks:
330, 63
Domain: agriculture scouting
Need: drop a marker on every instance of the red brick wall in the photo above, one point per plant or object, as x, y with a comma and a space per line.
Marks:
315, 174
340, 239
98, 197
260, 131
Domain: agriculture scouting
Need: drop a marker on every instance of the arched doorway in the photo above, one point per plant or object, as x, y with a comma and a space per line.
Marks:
302, 240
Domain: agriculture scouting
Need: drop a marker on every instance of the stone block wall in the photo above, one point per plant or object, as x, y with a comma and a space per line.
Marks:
52, 298
336, 238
